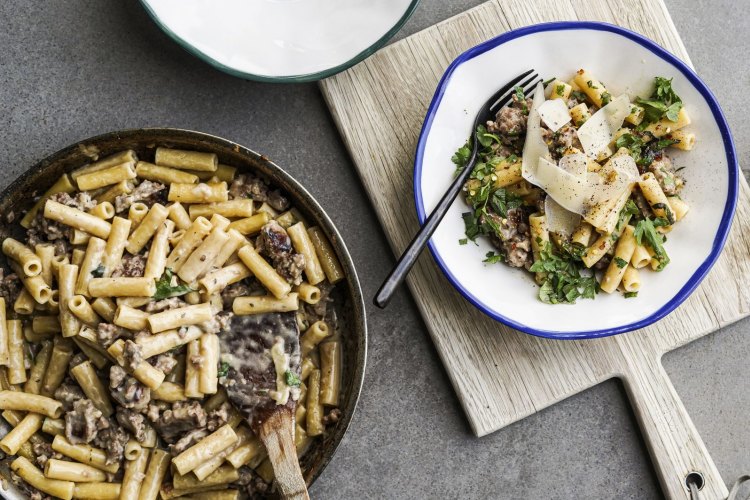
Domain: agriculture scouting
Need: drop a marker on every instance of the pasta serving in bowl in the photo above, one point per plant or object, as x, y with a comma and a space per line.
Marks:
579, 181
583, 193
137, 252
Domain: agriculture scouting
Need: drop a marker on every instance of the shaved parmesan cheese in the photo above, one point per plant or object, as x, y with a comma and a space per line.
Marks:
571, 190
598, 131
554, 114
576, 164
566, 189
534, 147
560, 220
610, 192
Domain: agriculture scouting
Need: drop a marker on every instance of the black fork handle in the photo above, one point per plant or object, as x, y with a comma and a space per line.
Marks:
412, 252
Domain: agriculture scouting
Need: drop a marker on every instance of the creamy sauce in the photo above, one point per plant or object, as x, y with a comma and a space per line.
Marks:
281, 363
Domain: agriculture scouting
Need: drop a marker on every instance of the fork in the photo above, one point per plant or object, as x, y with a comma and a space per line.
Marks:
417, 244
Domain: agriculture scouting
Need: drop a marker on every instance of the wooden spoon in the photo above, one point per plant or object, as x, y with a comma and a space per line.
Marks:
251, 384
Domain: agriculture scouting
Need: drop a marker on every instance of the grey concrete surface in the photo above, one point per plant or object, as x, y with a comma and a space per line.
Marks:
70, 69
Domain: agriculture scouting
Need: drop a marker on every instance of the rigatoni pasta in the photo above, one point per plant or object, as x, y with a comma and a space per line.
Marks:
590, 164
126, 334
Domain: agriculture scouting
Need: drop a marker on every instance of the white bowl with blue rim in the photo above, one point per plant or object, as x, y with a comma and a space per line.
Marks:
627, 62
281, 40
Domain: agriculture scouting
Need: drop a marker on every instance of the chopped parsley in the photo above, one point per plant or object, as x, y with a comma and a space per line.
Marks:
493, 258
463, 241
646, 230
98, 272
642, 152
165, 289
485, 138
563, 282
578, 96
606, 98
223, 369
590, 84
522, 99
560, 90
291, 379
630, 295
461, 157
663, 103
621, 263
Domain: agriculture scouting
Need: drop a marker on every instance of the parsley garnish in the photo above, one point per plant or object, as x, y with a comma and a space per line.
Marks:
630, 295
590, 84
606, 98
461, 157
663, 103
522, 99
563, 282
98, 272
643, 153
223, 369
485, 138
578, 96
165, 289
502, 201
463, 241
560, 90
621, 263
646, 229
493, 258
291, 379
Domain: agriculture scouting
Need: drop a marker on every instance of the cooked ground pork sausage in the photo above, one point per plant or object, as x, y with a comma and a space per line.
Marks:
182, 416
127, 391
147, 192
83, 422
130, 266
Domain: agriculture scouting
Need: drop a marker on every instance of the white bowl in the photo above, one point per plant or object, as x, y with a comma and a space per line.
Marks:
281, 40
627, 62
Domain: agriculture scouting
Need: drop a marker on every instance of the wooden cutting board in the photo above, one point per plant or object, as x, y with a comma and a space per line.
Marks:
502, 375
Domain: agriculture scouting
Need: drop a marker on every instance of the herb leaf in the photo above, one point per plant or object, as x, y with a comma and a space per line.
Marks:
502, 201
563, 281
223, 369
578, 96
621, 263
165, 289
461, 157
291, 379
643, 153
646, 229
522, 99
99, 271
663, 103
493, 258
630, 295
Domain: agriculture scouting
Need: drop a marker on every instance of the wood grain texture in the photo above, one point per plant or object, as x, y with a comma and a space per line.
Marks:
502, 375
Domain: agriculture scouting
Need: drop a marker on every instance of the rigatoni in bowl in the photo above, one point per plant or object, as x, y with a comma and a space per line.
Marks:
557, 50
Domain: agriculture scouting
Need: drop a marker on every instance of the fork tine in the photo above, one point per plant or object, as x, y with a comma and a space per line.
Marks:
510, 85
502, 101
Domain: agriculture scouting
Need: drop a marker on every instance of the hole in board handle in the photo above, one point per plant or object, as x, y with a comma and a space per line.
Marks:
695, 478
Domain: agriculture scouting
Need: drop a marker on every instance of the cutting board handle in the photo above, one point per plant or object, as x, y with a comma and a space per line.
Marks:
674, 443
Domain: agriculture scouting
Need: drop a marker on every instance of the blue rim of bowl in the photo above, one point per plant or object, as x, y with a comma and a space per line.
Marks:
308, 77
729, 207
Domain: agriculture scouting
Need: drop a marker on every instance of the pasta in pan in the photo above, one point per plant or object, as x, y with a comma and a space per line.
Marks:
574, 183
111, 368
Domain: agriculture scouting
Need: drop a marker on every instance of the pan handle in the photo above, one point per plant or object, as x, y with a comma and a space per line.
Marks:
677, 450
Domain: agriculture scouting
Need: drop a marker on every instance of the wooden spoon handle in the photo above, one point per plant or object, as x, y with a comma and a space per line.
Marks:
277, 434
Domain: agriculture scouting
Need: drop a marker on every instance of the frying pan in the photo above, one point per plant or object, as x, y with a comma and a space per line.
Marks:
19, 195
